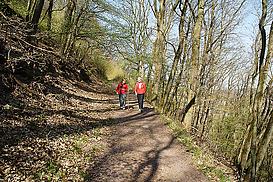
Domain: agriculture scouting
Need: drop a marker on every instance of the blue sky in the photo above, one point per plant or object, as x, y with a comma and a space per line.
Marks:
249, 25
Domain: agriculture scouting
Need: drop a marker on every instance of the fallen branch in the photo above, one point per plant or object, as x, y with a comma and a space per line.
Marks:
2, 14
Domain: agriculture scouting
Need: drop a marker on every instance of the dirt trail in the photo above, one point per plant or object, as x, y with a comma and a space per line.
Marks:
142, 148
75, 132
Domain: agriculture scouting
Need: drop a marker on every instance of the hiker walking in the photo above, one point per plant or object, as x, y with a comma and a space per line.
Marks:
121, 90
140, 89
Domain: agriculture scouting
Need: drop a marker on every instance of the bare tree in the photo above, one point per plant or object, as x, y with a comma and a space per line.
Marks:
177, 57
194, 67
164, 19
259, 132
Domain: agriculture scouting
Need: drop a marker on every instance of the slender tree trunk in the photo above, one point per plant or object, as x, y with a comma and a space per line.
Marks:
263, 145
149, 81
37, 14
159, 48
265, 142
194, 65
49, 15
30, 6
204, 123
66, 29
206, 63
74, 31
258, 147
259, 95
177, 57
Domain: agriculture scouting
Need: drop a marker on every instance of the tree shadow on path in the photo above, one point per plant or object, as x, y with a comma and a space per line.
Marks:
34, 130
130, 158
152, 159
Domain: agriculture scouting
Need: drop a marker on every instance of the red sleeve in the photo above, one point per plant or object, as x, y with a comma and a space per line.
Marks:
144, 87
117, 89
126, 88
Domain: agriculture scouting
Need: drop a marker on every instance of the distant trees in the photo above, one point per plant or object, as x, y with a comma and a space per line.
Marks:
137, 42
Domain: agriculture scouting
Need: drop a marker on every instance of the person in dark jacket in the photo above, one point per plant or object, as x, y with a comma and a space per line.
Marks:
122, 90
140, 90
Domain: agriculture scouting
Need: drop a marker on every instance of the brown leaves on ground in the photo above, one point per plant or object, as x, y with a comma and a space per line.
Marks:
55, 135
50, 127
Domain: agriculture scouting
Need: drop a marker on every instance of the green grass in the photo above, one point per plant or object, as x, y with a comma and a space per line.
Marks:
77, 148
50, 172
52, 167
97, 133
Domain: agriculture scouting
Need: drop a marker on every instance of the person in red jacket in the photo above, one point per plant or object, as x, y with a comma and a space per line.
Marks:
140, 90
122, 90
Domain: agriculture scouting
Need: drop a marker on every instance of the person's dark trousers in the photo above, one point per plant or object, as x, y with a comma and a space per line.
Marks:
140, 99
122, 98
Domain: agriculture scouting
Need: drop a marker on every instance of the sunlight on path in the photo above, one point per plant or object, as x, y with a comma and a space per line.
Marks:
142, 149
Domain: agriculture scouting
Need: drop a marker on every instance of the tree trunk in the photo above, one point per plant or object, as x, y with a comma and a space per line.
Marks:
49, 15
263, 146
30, 6
66, 29
258, 148
177, 57
187, 117
37, 14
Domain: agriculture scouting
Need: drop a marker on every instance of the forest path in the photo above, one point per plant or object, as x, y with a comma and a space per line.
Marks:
142, 148
75, 132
